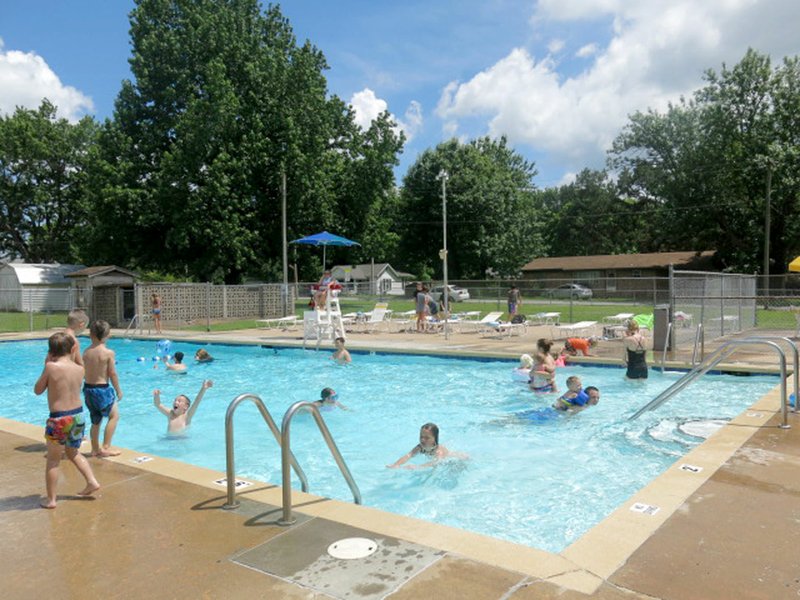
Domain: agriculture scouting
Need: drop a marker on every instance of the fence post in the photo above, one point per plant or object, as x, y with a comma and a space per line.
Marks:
30, 309
208, 306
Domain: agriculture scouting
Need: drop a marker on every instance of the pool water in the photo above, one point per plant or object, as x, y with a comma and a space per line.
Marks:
541, 484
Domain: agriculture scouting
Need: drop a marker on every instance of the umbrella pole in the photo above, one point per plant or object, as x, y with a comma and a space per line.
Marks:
324, 248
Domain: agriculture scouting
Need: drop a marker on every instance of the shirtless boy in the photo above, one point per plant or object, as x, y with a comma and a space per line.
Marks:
341, 355
180, 416
62, 378
99, 362
76, 322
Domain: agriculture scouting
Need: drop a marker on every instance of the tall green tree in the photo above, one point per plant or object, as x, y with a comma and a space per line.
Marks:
223, 104
43, 171
491, 218
705, 164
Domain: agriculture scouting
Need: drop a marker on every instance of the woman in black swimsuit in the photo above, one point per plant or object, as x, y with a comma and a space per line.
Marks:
635, 352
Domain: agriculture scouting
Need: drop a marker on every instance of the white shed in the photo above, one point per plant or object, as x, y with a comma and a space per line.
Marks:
378, 278
36, 287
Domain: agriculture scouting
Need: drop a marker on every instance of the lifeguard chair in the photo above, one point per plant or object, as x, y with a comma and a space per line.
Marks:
324, 321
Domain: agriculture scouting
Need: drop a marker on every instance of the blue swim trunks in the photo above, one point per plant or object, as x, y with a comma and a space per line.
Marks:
539, 415
99, 400
66, 427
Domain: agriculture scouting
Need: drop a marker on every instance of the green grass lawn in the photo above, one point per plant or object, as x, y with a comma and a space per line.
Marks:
20, 321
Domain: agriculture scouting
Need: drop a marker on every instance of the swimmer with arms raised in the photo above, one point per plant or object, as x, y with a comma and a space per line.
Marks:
180, 416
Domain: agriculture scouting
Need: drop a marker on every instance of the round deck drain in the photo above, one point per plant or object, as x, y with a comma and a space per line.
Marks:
350, 548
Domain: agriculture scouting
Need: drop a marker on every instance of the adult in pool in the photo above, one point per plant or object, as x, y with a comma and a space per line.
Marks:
635, 348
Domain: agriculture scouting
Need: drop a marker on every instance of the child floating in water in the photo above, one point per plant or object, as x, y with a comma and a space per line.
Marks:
429, 447
180, 417
329, 399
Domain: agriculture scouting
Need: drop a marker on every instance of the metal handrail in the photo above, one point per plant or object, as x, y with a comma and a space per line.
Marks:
286, 454
697, 337
795, 363
713, 359
230, 473
666, 345
134, 319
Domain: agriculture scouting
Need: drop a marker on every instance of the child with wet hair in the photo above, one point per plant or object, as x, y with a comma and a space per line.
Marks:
429, 447
180, 415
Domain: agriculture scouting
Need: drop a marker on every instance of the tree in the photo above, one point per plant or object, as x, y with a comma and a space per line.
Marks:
223, 103
492, 225
43, 163
704, 163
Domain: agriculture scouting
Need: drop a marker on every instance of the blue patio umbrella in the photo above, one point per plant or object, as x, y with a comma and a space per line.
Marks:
325, 239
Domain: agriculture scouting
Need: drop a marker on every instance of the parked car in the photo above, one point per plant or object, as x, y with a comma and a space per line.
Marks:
576, 291
457, 294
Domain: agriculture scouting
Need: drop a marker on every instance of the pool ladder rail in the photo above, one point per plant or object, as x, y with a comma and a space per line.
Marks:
723, 352
288, 460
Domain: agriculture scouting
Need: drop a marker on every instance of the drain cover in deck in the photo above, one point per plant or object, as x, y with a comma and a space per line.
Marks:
350, 548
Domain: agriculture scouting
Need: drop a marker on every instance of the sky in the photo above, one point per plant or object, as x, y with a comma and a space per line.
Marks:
558, 78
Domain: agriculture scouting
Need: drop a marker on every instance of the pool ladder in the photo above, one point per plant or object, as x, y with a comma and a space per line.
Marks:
288, 461
720, 354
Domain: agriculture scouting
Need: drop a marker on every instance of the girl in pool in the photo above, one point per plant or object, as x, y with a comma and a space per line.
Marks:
523, 371
429, 447
543, 372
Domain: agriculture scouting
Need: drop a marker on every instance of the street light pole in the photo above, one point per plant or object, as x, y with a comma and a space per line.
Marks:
443, 254
285, 288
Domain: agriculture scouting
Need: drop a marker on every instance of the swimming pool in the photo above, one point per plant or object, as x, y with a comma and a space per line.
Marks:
538, 484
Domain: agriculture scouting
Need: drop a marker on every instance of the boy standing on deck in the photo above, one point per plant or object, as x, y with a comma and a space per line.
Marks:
100, 397
76, 322
62, 378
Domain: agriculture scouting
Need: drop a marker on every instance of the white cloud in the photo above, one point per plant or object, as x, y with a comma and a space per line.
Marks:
368, 107
26, 79
658, 51
555, 46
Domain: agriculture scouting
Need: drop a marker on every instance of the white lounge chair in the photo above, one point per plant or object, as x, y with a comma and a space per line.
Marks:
618, 319
277, 323
580, 329
545, 318
508, 329
376, 317
483, 324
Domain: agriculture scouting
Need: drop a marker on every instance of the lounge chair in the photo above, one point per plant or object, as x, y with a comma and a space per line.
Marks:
618, 319
277, 323
580, 329
483, 324
508, 329
376, 317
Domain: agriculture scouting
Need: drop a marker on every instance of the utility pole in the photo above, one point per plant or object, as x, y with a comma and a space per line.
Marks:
443, 254
767, 225
285, 289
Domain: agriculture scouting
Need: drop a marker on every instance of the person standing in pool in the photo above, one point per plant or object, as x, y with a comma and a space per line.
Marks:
180, 416
341, 355
429, 447
635, 350
62, 379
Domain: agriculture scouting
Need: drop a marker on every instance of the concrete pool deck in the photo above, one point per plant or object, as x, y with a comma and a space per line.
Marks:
156, 530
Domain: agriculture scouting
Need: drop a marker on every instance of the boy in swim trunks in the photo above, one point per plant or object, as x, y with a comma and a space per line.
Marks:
62, 378
76, 322
101, 400
341, 355
180, 416
178, 365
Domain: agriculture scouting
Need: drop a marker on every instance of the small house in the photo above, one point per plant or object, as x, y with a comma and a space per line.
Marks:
371, 278
607, 274
107, 293
37, 287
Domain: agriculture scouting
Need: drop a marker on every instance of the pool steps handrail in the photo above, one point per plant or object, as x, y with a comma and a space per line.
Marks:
666, 345
716, 357
697, 337
286, 456
230, 468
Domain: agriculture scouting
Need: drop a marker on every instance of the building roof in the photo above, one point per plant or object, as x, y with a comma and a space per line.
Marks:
42, 273
687, 260
96, 271
364, 272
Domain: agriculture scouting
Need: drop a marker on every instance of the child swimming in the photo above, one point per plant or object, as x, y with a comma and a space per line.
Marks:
429, 447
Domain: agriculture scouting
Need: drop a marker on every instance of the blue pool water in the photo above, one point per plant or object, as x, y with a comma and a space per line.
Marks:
542, 484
